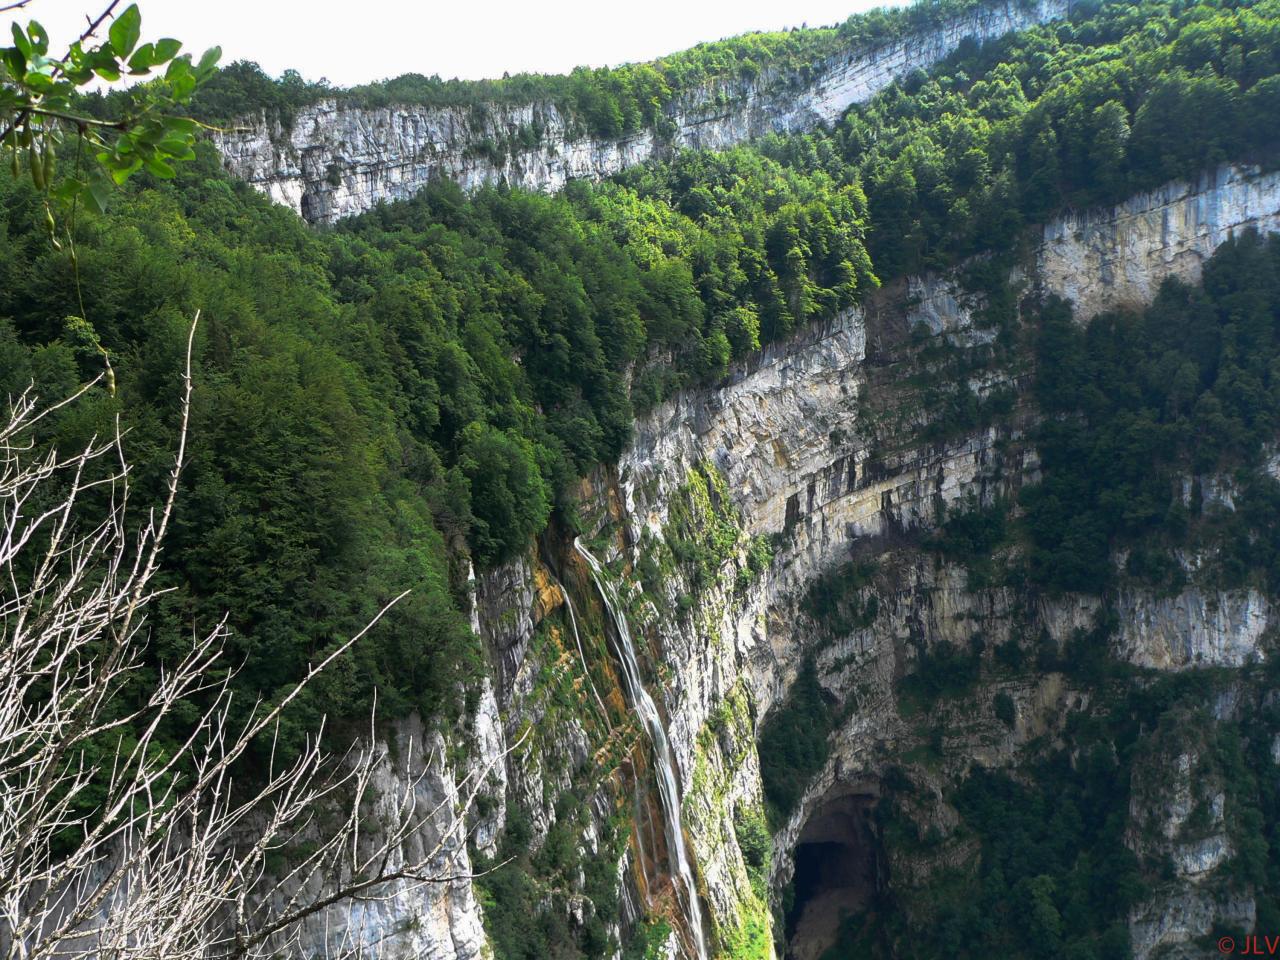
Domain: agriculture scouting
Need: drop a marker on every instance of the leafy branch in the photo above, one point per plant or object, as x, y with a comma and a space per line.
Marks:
42, 105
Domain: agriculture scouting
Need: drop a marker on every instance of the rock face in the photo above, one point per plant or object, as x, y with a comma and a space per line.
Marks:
806, 460
1099, 258
334, 160
435, 922
788, 430
1192, 629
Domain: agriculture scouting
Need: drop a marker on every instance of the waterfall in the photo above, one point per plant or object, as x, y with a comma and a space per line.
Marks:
668, 785
577, 639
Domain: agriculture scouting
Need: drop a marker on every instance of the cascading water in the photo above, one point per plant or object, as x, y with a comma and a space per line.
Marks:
577, 639
668, 785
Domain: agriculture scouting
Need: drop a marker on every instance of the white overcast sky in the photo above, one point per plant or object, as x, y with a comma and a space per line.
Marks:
355, 41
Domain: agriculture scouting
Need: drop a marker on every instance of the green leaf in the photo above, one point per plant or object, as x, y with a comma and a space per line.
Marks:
158, 167
208, 61
38, 82
180, 126
125, 30
121, 169
183, 86
39, 37
14, 61
95, 195
143, 59
102, 57
20, 40
167, 49
177, 147
78, 75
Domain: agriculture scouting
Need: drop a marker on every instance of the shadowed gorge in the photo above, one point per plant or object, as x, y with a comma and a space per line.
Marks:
839, 870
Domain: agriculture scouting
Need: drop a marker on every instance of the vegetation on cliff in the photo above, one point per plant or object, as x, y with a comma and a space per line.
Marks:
606, 101
382, 403
1154, 418
425, 383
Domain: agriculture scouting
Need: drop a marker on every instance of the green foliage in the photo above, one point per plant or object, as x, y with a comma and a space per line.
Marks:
752, 938
605, 102
509, 501
241, 90
972, 535
770, 248
834, 600
436, 375
1056, 875
306, 503
649, 941
1121, 97
1057, 871
379, 403
793, 744
759, 558
43, 108
1005, 710
525, 904
751, 830
703, 526
1134, 403
943, 670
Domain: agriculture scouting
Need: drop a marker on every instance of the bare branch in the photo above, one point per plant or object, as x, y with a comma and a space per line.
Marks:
171, 857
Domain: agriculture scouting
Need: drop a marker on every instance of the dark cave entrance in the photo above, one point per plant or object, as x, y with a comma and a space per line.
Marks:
311, 206
839, 870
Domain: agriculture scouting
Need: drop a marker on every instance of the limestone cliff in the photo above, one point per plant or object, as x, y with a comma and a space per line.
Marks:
795, 449
788, 432
333, 160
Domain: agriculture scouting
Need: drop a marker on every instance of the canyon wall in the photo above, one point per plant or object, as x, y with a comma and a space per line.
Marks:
787, 432
809, 461
334, 159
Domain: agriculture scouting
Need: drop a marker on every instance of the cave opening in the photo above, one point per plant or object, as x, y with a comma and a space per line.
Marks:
839, 870
312, 206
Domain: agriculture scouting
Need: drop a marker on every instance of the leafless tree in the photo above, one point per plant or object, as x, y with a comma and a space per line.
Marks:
113, 844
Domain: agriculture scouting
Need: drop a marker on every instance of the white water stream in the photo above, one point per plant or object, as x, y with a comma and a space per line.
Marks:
668, 785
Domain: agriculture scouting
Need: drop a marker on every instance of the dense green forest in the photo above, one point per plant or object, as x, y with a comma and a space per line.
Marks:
1120, 98
1152, 418
1186, 388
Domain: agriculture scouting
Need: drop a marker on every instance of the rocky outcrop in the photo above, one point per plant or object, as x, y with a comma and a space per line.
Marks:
1117, 256
1169, 926
333, 160
1177, 812
1193, 629
432, 922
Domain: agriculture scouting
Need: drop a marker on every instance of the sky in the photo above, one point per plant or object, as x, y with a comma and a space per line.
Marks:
357, 41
